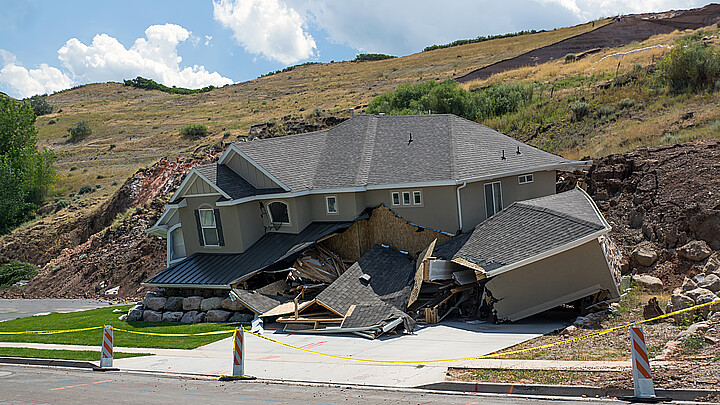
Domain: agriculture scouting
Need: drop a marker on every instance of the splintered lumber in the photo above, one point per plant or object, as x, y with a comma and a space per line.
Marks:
318, 264
431, 315
421, 272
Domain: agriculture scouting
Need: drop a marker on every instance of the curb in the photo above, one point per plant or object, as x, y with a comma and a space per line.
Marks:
561, 390
46, 362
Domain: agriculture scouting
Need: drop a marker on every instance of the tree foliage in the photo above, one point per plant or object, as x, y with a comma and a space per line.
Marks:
79, 132
14, 271
365, 57
25, 172
150, 84
690, 66
449, 98
40, 105
194, 130
479, 39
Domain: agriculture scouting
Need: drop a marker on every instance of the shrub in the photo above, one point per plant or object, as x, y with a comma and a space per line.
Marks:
61, 204
690, 66
606, 111
85, 189
52, 121
149, 84
626, 103
194, 130
571, 57
580, 110
365, 57
14, 271
100, 176
40, 105
79, 132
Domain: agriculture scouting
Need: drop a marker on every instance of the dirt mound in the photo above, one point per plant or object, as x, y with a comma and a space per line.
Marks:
665, 196
626, 29
290, 125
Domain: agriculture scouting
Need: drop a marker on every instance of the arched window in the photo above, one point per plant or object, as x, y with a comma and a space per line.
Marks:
279, 213
178, 244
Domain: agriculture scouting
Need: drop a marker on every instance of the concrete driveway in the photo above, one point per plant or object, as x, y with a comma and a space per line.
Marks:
265, 359
20, 308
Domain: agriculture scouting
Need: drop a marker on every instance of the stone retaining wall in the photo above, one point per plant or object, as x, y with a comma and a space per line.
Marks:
192, 309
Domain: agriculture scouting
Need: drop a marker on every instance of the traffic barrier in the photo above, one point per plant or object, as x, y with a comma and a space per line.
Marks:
106, 350
642, 376
238, 368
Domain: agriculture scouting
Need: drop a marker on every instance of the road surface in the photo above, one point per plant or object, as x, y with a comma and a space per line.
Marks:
39, 385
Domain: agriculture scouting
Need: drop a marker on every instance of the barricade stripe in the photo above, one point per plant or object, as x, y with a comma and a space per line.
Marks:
642, 370
640, 352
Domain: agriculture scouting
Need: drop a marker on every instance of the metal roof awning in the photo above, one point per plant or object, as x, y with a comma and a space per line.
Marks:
220, 270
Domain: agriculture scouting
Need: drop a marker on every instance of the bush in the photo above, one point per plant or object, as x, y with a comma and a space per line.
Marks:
571, 57
11, 273
40, 105
194, 130
606, 111
149, 84
79, 132
690, 66
61, 204
580, 110
626, 103
85, 189
365, 57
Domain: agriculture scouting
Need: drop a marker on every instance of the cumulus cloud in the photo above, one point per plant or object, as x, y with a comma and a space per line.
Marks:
266, 27
154, 57
23, 82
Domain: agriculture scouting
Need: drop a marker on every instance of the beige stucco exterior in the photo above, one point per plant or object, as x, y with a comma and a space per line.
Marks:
550, 282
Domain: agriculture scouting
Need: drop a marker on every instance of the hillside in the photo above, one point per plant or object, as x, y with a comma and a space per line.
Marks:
135, 156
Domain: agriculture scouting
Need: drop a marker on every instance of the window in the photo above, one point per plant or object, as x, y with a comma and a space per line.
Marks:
406, 197
279, 214
331, 204
177, 244
493, 198
395, 198
417, 197
209, 229
525, 178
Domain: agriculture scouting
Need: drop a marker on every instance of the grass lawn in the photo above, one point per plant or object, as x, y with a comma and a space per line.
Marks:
551, 377
86, 355
107, 316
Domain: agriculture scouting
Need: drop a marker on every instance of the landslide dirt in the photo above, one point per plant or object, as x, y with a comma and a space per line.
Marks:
665, 196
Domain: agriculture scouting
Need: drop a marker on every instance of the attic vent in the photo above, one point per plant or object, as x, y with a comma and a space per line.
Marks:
518, 151
381, 114
365, 279
503, 155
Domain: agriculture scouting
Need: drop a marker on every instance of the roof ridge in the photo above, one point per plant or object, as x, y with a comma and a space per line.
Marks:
367, 152
453, 147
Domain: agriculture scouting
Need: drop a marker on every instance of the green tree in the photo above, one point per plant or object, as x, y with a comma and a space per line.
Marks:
40, 105
79, 132
25, 172
691, 66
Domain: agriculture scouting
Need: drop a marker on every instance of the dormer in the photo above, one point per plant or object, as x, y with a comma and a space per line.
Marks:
248, 169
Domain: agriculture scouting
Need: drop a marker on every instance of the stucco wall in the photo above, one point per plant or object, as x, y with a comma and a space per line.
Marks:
438, 209
550, 282
472, 196
230, 224
251, 223
347, 207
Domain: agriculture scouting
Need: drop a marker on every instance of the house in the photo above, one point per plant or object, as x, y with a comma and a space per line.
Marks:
266, 201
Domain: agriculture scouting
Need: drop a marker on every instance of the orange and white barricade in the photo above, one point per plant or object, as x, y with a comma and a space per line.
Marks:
106, 350
642, 378
238, 369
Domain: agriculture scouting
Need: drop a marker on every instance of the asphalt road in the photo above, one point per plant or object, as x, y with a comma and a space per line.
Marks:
39, 385
20, 308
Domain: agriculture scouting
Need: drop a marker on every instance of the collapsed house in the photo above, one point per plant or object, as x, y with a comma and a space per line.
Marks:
382, 222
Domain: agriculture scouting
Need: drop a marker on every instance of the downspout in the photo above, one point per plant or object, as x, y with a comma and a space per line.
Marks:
460, 221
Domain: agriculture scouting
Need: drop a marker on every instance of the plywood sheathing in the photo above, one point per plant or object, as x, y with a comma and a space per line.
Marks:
421, 266
384, 227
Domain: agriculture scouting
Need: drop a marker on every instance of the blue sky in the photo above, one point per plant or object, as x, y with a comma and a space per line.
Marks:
47, 46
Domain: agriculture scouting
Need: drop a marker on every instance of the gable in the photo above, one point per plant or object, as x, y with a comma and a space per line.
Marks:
195, 184
250, 170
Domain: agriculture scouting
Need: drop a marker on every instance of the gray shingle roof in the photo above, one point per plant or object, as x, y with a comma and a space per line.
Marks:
230, 182
257, 302
374, 150
382, 298
218, 269
526, 229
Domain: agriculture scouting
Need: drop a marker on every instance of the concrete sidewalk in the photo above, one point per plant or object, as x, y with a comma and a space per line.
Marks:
268, 360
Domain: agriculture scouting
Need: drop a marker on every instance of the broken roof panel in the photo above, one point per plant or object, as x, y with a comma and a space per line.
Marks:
525, 230
371, 150
219, 270
257, 302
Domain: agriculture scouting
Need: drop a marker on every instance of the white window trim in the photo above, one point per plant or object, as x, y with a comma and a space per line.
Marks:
327, 205
202, 227
289, 222
526, 178
392, 198
502, 203
409, 200
419, 193
170, 247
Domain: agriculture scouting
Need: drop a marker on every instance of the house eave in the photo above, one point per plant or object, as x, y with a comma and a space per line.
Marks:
199, 286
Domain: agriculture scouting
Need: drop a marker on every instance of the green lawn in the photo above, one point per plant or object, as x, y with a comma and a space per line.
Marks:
86, 355
106, 316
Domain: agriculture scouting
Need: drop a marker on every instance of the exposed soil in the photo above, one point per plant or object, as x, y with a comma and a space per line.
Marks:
629, 28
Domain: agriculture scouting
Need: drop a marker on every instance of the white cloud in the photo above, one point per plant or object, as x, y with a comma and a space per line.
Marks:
22, 82
155, 57
591, 9
266, 27
208, 38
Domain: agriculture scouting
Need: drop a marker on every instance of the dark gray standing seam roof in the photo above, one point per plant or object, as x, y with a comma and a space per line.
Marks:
383, 298
375, 150
526, 229
218, 269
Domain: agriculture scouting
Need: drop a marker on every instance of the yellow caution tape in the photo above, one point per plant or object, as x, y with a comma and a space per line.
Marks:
49, 332
217, 332
493, 355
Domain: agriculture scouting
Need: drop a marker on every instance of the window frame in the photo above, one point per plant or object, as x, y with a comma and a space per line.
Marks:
327, 205
494, 198
270, 216
409, 198
419, 200
392, 198
213, 227
526, 178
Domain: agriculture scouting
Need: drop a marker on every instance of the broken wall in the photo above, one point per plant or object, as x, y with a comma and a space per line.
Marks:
386, 228
548, 283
